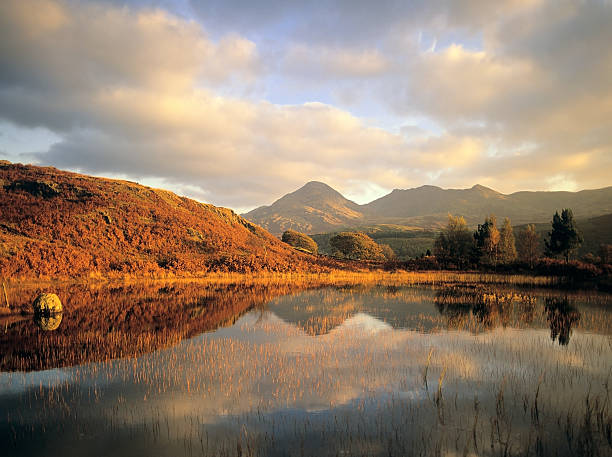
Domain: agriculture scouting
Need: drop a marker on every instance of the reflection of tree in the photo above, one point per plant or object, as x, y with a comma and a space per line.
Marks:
456, 314
486, 309
561, 315
527, 310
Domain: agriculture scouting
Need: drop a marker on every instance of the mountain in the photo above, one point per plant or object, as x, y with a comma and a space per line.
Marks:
424, 207
57, 224
428, 204
313, 208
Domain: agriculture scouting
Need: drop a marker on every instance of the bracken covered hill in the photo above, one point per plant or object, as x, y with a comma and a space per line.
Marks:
58, 224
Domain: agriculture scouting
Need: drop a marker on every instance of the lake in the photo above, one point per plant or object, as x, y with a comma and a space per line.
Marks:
190, 369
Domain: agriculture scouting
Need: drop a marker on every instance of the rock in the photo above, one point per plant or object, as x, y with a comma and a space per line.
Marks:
47, 304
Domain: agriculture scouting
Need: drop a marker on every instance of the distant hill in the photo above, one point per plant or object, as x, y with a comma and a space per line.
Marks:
317, 208
313, 208
55, 223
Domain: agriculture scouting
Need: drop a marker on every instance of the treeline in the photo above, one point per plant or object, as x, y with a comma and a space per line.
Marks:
490, 247
458, 246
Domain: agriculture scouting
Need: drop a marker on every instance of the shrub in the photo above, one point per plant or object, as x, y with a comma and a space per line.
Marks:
300, 241
356, 246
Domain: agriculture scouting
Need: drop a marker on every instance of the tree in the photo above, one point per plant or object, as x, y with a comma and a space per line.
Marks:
605, 253
300, 241
387, 251
356, 246
487, 241
528, 245
507, 246
564, 237
454, 243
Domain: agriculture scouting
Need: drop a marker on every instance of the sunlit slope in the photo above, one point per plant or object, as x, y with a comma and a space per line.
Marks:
429, 204
56, 223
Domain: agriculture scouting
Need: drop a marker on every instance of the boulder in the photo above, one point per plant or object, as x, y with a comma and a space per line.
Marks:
47, 304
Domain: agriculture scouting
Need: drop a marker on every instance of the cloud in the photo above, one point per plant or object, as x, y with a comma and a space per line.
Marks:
515, 94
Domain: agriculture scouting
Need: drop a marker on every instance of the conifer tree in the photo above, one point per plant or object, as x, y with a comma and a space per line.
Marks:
564, 236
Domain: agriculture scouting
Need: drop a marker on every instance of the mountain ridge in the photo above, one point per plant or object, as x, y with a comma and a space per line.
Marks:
426, 206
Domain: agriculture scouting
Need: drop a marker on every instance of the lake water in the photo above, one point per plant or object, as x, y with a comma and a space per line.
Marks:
192, 369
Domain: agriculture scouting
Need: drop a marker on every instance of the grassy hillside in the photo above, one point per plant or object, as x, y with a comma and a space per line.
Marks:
55, 223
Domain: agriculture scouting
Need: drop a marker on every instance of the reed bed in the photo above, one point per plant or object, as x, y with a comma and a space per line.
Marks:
334, 277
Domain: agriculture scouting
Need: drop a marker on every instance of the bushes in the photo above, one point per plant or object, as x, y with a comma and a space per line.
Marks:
573, 269
300, 241
356, 246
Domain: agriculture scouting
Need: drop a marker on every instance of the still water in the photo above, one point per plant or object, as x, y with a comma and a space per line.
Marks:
191, 369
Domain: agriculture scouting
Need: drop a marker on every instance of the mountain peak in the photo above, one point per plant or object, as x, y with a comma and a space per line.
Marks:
317, 185
314, 207
483, 190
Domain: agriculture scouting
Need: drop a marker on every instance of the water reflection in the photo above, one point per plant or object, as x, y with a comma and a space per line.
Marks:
329, 371
481, 309
100, 323
561, 316
48, 322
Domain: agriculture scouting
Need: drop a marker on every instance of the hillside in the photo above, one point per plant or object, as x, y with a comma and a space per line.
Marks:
55, 224
313, 208
424, 207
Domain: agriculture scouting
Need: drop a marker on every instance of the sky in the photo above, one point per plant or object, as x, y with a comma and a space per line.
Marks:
236, 103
